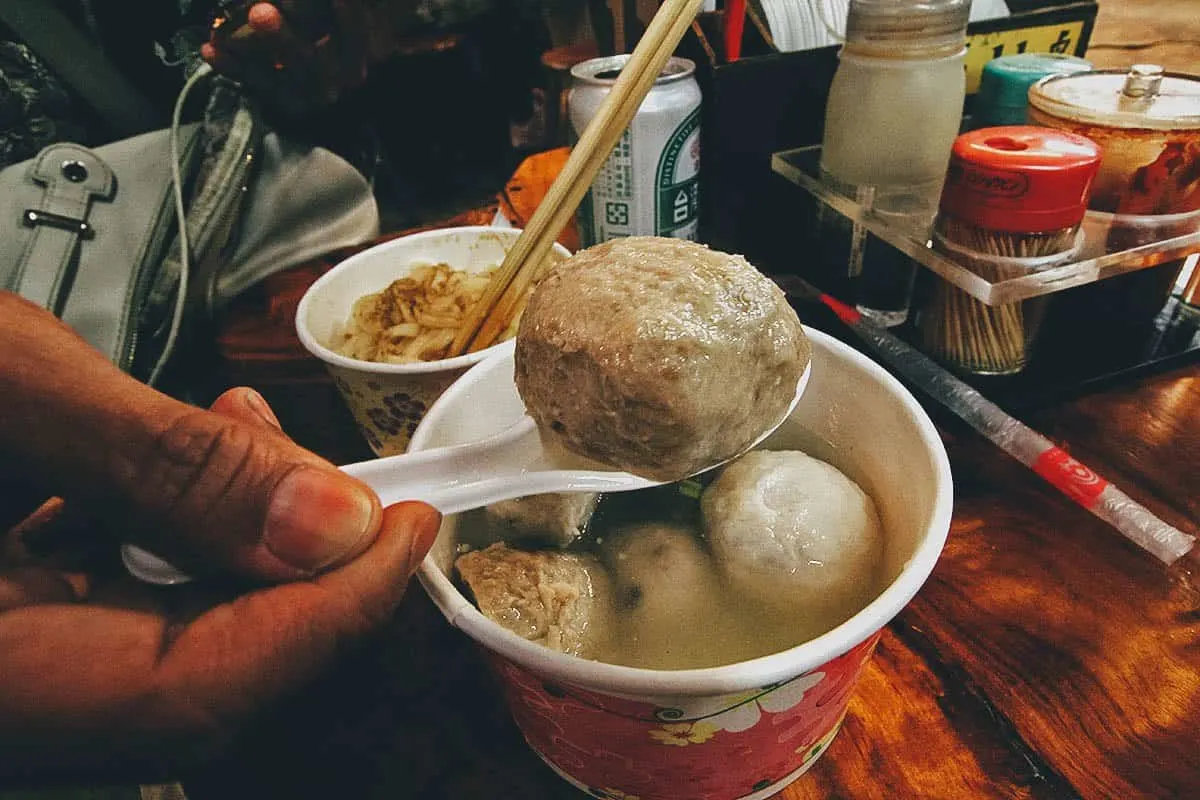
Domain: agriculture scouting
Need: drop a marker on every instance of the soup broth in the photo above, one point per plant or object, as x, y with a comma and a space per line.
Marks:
674, 604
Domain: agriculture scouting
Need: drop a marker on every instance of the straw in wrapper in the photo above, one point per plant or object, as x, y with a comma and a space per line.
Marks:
1065, 473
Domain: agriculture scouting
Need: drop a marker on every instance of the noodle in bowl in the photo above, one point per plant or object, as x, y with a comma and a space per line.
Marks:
388, 400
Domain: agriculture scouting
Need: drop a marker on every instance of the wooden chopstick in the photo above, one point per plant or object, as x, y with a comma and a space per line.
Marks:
517, 291
524, 263
594, 146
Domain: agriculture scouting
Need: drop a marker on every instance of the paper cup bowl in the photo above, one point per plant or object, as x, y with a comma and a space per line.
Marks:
388, 400
747, 729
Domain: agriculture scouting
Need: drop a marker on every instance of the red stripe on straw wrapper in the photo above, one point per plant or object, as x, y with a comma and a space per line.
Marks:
1072, 478
845, 313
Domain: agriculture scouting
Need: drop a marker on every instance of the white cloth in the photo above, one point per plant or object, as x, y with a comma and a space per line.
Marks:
798, 25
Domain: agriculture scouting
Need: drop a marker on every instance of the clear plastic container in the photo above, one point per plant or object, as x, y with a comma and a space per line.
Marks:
889, 126
895, 107
1013, 202
972, 337
1148, 123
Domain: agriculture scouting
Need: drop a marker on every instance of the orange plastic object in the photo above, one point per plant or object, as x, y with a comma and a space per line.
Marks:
1020, 178
529, 184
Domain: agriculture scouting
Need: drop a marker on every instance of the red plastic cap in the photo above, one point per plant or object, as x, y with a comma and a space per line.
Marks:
1020, 178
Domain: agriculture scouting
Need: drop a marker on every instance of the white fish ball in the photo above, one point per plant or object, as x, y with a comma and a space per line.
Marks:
794, 532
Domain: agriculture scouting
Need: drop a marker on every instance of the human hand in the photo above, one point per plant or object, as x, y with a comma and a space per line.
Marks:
99, 670
296, 55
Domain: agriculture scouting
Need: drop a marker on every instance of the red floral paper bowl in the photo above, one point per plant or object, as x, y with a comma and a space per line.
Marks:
747, 729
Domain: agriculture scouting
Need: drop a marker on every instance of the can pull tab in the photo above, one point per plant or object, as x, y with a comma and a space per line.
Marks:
1143, 81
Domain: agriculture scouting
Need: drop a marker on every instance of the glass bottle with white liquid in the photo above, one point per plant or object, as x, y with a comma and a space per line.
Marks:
895, 107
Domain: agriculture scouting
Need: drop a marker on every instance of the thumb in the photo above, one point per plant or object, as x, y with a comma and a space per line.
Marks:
204, 490
273, 640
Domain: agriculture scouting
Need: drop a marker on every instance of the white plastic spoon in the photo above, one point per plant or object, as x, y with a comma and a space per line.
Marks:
517, 462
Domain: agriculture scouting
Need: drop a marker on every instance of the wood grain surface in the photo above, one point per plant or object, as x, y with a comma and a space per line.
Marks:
1046, 657
1163, 32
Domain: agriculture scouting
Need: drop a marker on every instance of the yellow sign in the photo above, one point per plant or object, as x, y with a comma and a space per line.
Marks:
983, 47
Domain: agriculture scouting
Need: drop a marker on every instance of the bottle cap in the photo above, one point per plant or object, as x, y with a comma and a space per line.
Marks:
1020, 178
1143, 96
907, 27
1003, 96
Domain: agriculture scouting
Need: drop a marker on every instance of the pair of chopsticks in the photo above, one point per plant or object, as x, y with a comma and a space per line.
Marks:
525, 263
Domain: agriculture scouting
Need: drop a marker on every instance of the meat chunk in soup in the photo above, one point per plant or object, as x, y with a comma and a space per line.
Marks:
559, 600
558, 519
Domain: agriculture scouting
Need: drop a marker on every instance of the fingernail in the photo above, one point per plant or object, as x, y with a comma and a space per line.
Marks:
261, 408
317, 518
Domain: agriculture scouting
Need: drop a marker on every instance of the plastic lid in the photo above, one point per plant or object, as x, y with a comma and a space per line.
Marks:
1141, 97
1004, 85
907, 27
1020, 178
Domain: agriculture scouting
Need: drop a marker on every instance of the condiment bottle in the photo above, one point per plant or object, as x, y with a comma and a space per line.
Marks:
1012, 204
895, 106
1148, 123
1003, 96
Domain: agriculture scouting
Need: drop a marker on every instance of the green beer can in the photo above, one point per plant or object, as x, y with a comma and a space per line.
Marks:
649, 186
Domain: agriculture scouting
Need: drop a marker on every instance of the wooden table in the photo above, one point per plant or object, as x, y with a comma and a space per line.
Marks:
1046, 657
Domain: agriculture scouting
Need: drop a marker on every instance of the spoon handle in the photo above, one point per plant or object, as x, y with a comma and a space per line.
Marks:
512, 463
438, 477
453, 479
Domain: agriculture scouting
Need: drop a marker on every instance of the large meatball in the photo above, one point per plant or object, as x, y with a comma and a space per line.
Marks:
793, 532
658, 356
